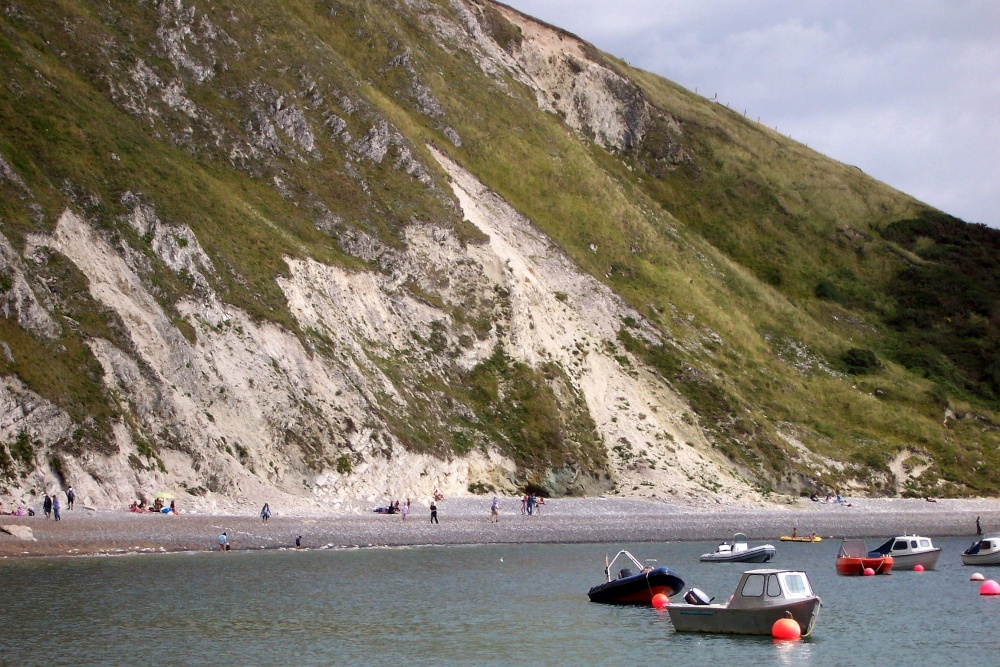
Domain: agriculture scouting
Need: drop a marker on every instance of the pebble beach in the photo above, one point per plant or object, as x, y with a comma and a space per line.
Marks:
84, 531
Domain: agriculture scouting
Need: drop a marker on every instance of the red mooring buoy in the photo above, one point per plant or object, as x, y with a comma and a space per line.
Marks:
868, 572
989, 587
660, 600
786, 629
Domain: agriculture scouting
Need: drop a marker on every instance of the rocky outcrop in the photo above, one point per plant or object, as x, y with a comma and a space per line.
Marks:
20, 532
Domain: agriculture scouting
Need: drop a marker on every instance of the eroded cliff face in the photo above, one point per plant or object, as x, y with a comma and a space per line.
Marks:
247, 411
417, 345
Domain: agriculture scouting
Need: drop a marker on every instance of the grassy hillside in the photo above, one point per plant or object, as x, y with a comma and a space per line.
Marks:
804, 301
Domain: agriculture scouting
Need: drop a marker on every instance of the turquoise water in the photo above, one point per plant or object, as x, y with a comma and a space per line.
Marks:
491, 605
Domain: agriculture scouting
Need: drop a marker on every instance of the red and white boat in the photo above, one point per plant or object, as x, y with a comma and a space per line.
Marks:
854, 559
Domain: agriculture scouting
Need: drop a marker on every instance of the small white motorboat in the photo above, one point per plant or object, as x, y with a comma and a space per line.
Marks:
761, 598
908, 551
738, 551
985, 551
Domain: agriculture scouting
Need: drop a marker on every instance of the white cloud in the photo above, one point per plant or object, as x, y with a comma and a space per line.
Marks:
905, 90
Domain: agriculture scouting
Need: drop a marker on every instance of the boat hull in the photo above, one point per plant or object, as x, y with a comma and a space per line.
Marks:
927, 559
761, 554
637, 589
856, 566
721, 619
981, 559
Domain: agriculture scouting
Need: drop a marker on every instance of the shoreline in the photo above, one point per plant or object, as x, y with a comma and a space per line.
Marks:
465, 521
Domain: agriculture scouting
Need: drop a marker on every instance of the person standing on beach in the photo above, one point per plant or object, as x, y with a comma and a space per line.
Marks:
55, 506
495, 510
223, 542
265, 513
298, 542
47, 506
979, 527
406, 509
531, 504
70, 498
434, 513
524, 503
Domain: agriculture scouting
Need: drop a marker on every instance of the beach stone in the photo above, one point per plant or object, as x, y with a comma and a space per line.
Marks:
20, 532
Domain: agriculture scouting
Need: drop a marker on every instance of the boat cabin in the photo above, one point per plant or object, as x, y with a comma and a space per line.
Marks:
903, 545
764, 588
988, 545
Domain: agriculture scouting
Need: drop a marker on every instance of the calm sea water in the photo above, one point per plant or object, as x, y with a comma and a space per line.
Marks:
492, 605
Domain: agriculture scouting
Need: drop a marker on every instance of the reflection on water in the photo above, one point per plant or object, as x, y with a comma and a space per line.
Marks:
792, 653
510, 605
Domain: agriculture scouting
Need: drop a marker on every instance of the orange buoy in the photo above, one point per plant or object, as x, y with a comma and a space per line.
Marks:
918, 568
786, 629
977, 576
868, 572
989, 587
660, 600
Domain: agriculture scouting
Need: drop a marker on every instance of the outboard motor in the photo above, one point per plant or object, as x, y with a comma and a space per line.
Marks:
625, 572
697, 596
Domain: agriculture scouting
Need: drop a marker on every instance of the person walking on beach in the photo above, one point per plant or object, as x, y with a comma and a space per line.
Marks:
223, 542
265, 513
495, 510
55, 506
979, 527
531, 504
434, 513
70, 498
406, 509
524, 503
47, 506
298, 542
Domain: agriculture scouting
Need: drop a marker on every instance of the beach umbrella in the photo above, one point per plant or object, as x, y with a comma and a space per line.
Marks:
164, 495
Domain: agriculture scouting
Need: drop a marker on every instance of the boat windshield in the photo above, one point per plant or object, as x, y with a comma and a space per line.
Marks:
753, 587
795, 585
854, 549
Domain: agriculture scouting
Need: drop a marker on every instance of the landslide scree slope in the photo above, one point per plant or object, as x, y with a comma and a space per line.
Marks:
236, 257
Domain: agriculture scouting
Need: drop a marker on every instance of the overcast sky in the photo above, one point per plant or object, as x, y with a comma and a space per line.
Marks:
909, 91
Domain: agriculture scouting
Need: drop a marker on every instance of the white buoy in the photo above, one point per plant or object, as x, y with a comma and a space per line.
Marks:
977, 576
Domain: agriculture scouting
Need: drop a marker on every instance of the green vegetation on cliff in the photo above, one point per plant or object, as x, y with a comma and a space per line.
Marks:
801, 301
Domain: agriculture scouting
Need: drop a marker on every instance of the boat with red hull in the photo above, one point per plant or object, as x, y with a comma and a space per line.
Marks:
635, 586
854, 559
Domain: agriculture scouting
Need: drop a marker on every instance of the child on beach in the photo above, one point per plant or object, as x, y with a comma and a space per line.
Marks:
495, 510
